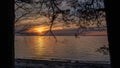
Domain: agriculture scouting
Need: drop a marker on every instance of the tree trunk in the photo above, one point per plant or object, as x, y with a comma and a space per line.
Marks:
7, 33
112, 35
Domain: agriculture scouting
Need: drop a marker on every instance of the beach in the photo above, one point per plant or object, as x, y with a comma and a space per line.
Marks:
29, 63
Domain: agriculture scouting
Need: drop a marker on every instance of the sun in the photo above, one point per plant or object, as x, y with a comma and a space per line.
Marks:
38, 30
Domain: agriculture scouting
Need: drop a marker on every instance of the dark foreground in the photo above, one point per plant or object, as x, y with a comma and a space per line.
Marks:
29, 63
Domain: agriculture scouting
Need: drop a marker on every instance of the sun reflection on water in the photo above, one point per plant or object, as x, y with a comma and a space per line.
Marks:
39, 48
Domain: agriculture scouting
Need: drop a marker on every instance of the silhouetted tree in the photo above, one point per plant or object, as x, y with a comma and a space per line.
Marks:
83, 13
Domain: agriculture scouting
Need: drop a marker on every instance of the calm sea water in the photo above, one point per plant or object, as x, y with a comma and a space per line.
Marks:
66, 47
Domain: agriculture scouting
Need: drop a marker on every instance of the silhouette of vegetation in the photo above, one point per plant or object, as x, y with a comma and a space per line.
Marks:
83, 13
104, 50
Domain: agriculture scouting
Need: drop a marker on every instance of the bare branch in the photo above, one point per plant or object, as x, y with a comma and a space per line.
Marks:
82, 13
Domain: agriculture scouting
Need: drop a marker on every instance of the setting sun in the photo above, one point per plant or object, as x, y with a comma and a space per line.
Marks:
38, 30
42, 29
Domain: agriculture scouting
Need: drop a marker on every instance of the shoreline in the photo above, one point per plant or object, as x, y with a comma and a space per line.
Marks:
31, 63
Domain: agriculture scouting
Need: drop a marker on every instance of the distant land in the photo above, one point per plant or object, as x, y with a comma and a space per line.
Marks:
66, 32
